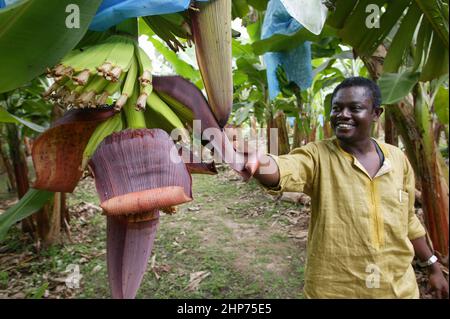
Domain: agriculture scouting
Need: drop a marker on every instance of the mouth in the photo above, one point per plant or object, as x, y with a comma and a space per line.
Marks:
344, 126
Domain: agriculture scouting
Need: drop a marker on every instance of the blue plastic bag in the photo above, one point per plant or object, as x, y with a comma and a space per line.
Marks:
297, 62
112, 12
5, 3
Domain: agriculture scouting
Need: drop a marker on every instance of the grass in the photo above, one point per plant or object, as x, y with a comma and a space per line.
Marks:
227, 231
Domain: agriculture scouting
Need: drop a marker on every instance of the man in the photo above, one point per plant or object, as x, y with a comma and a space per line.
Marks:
363, 231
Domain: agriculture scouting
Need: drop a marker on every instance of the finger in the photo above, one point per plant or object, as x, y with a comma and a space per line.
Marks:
251, 167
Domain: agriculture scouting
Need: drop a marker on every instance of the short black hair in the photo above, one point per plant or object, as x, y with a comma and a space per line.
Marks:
371, 86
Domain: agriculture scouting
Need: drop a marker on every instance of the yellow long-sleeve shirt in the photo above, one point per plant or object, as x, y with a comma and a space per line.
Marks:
360, 230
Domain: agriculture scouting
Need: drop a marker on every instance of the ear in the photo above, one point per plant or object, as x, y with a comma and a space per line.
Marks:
377, 113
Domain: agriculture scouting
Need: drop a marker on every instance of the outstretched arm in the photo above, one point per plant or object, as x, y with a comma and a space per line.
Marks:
265, 170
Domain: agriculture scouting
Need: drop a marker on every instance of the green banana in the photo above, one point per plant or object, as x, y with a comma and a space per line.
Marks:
120, 57
128, 87
145, 78
163, 112
135, 118
95, 87
183, 112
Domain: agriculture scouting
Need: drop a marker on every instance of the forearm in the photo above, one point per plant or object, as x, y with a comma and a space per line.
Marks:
267, 172
423, 252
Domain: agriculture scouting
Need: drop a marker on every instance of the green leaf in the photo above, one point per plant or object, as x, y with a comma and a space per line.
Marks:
6, 117
180, 67
437, 61
354, 30
422, 44
258, 4
402, 40
239, 8
34, 36
374, 37
395, 86
40, 292
240, 49
254, 30
436, 13
441, 105
33, 200
342, 11
282, 42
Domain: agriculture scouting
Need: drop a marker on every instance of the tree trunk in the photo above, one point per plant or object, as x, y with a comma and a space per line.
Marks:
20, 171
327, 130
8, 167
390, 132
283, 137
298, 136
270, 124
49, 221
413, 120
312, 134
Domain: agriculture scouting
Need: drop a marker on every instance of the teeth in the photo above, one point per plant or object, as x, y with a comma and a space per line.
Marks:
344, 126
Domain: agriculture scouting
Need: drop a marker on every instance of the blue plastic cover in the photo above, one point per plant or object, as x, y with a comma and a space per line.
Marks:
112, 12
297, 62
5, 3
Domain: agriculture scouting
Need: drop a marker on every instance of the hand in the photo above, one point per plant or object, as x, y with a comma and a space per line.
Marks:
437, 282
252, 156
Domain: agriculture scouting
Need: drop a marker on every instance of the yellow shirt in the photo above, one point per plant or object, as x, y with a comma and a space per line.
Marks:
360, 229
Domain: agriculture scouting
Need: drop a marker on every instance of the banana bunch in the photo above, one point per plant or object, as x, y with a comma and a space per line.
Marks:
105, 73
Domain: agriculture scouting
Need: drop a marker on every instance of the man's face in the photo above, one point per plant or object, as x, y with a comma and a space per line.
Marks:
352, 114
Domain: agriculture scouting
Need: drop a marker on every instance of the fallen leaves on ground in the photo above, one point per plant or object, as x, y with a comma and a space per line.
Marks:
195, 278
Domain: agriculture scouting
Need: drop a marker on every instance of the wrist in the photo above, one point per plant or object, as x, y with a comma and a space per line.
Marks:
429, 262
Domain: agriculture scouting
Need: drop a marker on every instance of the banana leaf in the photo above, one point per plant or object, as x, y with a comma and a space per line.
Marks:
441, 105
34, 36
395, 86
33, 200
6, 117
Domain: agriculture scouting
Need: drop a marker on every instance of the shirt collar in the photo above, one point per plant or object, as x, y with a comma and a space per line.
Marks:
384, 169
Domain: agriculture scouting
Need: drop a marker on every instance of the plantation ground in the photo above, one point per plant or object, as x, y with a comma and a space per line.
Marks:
232, 241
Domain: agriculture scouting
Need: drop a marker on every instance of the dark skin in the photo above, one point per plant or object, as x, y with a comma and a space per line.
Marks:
352, 116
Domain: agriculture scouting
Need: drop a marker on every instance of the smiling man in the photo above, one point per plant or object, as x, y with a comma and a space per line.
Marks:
363, 232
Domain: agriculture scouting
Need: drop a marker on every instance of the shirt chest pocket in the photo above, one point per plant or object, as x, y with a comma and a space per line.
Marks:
395, 214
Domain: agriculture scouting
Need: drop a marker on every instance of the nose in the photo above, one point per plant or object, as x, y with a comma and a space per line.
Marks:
344, 113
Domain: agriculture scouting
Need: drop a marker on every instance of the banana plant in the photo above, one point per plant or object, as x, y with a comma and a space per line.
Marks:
117, 107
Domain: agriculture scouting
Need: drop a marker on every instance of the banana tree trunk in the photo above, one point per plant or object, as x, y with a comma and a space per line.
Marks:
8, 167
298, 136
283, 137
414, 122
327, 130
20, 169
390, 132
270, 124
